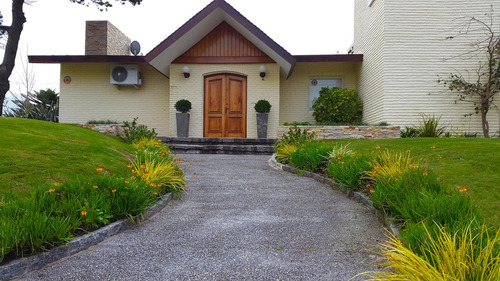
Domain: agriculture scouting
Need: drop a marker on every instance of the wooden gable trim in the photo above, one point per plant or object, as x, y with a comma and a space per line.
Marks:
224, 45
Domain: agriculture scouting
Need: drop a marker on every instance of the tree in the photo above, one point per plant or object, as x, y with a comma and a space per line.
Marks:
481, 88
13, 33
42, 105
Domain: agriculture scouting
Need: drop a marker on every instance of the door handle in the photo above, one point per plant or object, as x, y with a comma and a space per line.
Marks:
226, 109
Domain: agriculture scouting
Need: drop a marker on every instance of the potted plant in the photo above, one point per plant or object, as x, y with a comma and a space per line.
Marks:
183, 106
262, 107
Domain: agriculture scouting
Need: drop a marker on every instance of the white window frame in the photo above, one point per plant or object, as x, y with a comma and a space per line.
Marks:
309, 103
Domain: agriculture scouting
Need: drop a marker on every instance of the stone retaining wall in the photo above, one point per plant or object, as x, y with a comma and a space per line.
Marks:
109, 129
348, 132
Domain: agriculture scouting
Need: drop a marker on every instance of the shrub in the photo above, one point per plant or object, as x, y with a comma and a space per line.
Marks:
262, 106
340, 150
338, 105
429, 127
466, 254
284, 153
134, 132
42, 105
410, 132
102, 122
348, 170
295, 123
311, 156
183, 106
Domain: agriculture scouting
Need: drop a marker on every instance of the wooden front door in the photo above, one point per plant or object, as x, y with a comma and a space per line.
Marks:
225, 106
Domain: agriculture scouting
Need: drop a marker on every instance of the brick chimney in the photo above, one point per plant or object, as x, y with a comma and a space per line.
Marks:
103, 38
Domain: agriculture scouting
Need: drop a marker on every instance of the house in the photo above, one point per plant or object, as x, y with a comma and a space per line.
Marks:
224, 64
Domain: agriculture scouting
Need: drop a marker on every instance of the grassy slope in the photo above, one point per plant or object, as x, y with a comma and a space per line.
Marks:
470, 163
35, 152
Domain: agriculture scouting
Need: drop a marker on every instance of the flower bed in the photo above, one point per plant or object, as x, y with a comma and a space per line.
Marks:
430, 214
57, 212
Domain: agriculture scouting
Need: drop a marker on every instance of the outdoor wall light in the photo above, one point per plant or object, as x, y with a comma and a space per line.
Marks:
185, 71
262, 70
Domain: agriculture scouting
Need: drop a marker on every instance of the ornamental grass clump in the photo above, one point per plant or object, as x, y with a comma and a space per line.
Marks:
284, 153
389, 164
311, 156
467, 254
348, 170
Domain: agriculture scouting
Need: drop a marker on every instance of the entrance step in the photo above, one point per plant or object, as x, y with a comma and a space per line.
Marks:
220, 145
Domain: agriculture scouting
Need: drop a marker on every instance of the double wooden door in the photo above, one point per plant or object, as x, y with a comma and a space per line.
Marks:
225, 106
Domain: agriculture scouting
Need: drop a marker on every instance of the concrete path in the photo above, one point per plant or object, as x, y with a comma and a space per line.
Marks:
239, 220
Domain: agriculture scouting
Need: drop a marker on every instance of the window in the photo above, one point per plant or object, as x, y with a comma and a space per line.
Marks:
315, 86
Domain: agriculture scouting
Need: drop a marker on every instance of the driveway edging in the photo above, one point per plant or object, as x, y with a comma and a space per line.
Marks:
354, 195
21, 266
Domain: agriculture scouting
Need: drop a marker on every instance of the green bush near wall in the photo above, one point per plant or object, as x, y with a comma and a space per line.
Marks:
338, 105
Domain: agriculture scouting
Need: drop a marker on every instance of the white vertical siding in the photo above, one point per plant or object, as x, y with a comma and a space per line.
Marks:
417, 51
369, 34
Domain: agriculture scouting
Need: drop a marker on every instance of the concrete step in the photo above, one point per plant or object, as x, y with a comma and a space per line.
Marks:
221, 145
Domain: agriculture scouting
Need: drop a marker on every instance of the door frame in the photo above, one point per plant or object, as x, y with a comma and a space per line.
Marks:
244, 101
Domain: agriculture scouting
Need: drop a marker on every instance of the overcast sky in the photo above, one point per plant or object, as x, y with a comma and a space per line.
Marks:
57, 27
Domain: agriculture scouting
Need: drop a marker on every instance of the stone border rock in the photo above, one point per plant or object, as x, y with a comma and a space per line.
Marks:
355, 195
21, 266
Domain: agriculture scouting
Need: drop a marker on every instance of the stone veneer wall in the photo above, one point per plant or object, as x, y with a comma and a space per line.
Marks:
348, 132
108, 129
103, 38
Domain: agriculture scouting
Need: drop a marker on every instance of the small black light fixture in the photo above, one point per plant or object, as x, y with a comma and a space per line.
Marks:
185, 71
262, 70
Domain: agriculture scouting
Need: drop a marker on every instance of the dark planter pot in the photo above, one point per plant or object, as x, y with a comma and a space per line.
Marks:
262, 125
182, 125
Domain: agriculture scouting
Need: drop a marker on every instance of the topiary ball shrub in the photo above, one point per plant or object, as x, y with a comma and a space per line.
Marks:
183, 106
338, 105
262, 106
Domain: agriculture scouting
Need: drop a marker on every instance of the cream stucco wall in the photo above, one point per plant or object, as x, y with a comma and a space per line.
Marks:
90, 96
294, 102
404, 48
192, 88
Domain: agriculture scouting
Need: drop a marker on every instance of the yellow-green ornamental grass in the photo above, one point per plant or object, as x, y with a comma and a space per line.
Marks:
464, 255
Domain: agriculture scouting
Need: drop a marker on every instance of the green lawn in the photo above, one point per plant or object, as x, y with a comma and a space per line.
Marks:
36, 152
460, 162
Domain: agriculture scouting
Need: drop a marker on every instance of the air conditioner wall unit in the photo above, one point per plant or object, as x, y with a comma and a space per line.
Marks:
126, 75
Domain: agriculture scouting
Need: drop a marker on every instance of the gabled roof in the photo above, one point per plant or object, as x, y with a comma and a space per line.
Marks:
205, 21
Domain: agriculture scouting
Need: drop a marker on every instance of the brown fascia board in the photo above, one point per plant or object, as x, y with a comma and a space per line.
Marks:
234, 14
330, 58
83, 59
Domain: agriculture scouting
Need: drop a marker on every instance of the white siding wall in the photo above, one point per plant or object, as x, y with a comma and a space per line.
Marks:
90, 96
369, 33
417, 52
404, 41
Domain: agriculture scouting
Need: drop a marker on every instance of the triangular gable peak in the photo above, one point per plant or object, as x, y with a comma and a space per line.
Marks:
202, 24
224, 45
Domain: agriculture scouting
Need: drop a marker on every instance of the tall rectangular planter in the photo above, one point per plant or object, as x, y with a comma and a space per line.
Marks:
182, 125
262, 125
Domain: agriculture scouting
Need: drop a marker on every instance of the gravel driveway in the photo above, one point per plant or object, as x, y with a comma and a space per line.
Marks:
238, 220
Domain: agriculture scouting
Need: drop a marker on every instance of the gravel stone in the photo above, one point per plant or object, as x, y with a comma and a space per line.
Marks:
238, 220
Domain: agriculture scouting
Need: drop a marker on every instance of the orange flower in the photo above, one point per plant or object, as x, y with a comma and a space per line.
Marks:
368, 185
155, 193
376, 167
425, 174
126, 181
146, 174
372, 190
56, 183
133, 177
114, 190
343, 162
194, 175
339, 158
129, 166
177, 161
95, 186
133, 171
175, 158
143, 147
190, 165
463, 190
433, 147
99, 169
143, 166
180, 168
153, 184
52, 190
84, 212
377, 147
